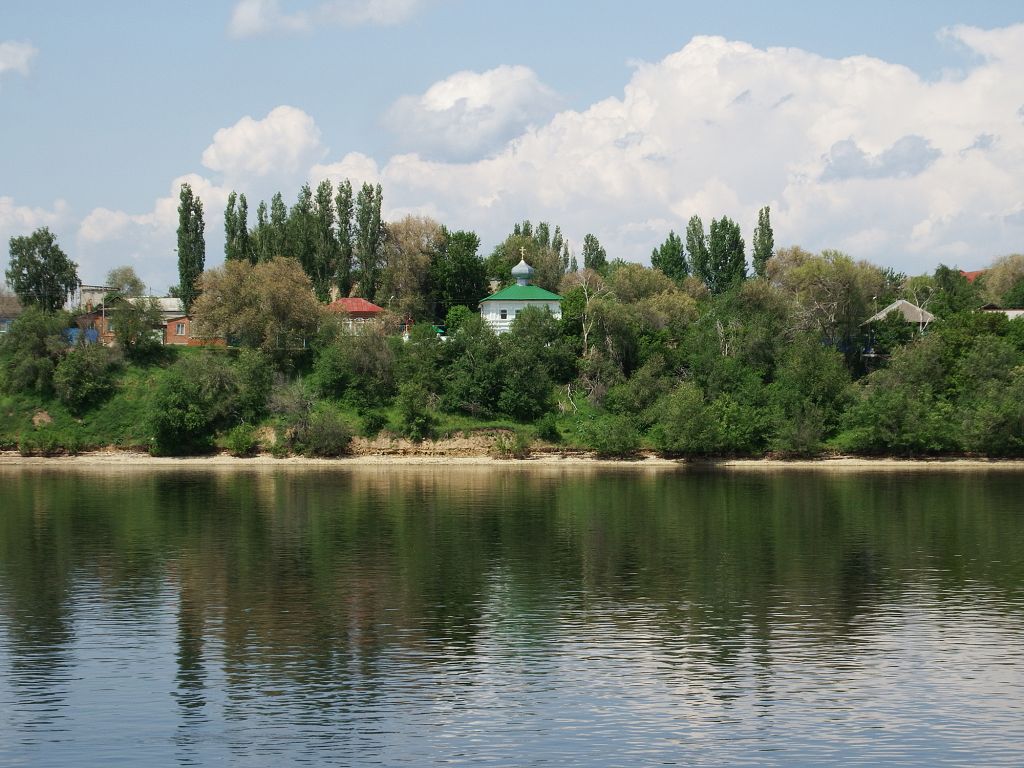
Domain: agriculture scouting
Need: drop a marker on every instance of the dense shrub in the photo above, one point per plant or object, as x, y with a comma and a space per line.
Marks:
324, 434
414, 417
255, 375
511, 446
547, 428
242, 441
193, 399
609, 435
373, 423
689, 424
901, 420
31, 349
84, 377
358, 368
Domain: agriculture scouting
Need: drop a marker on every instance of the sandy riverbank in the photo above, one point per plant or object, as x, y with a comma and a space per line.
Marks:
439, 458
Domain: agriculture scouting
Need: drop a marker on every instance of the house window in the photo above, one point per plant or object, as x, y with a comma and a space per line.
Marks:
517, 313
504, 314
179, 329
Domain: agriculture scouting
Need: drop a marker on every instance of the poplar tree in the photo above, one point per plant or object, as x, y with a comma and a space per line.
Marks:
302, 231
236, 229
244, 242
278, 239
764, 241
368, 238
697, 248
670, 258
191, 245
343, 210
230, 228
325, 244
260, 238
728, 262
594, 255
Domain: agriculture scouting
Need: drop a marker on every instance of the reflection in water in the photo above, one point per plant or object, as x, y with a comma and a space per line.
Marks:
400, 615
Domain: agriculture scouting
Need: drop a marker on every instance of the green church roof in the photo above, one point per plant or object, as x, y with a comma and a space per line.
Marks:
523, 293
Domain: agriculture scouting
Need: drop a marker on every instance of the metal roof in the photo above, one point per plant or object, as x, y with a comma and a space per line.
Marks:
523, 293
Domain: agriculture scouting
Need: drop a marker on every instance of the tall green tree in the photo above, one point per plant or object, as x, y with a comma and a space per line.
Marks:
244, 242
279, 245
40, 273
670, 258
458, 274
344, 210
302, 231
728, 262
697, 248
325, 246
369, 238
764, 241
124, 281
191, 245
232, 230
260, 236
594, 255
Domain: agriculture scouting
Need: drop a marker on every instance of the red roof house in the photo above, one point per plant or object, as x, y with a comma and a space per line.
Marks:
972, 276
355, 308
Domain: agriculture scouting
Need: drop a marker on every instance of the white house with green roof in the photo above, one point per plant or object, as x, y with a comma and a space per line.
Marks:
499, 309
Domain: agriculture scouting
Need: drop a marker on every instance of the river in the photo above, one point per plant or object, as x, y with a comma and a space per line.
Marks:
510, 617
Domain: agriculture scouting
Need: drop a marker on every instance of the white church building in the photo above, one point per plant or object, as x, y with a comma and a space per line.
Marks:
499, 309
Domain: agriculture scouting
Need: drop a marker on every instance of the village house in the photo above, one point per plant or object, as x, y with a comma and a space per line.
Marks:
911, 313
356, 311
499, 309
96, 324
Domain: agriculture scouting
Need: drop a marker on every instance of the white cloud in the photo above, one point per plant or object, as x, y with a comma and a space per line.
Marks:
355, 166
283, 142
855, 153
260, 17
471, 113
17, 220
16, 57
147, 241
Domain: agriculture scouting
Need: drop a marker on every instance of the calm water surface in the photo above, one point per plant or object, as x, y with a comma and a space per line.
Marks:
403, 616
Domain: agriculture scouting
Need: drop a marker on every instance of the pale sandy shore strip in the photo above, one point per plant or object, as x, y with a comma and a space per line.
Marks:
126, 459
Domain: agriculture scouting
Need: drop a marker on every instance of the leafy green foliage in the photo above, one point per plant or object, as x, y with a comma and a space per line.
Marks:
194, 398
609, 435
241, 441
358, 368
31, 349
594, 255
764, 242
369, 239
39, 272
84, 377
137, 327
726, 257
670, 258
124, 282
191, 245
324, 434
415, 420
515, 445
458, 275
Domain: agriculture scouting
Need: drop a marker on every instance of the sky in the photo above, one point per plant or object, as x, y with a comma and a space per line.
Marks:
891, 131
